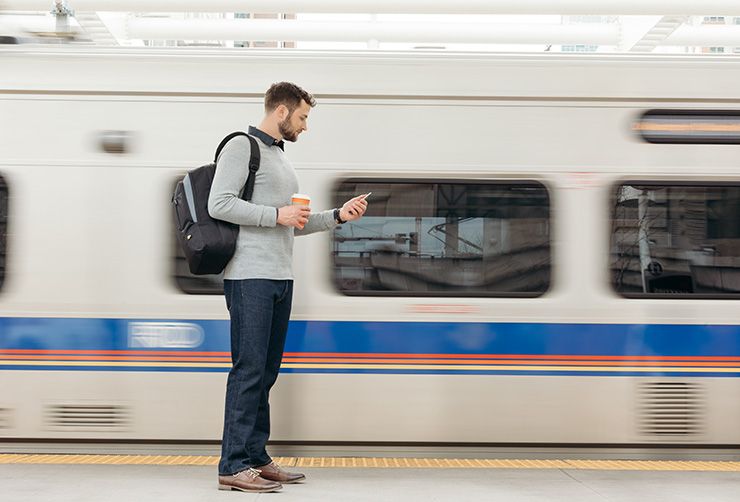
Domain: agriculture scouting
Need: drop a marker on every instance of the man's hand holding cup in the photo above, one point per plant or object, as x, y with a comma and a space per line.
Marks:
296, 215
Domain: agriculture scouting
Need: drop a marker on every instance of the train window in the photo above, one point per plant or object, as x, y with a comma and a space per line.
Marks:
444, 238
676, 240
690, 126
187, 282
3, 228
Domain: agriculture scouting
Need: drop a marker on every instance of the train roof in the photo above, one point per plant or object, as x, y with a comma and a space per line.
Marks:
370, 74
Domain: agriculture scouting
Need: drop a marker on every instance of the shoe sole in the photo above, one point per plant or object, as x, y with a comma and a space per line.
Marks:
295, 481
249, 490
286, 482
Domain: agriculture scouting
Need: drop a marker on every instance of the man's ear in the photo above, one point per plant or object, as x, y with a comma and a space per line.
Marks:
282, 112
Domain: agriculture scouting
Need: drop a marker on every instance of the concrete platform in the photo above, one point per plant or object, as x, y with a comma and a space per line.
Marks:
183, 483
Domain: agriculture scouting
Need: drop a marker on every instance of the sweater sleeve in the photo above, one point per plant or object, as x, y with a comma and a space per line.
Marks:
224, 201
318, 222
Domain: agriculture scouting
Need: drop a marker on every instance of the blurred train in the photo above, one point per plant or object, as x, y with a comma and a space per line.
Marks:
551, 255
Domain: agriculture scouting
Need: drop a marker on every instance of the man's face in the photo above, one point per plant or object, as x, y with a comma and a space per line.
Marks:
295, 123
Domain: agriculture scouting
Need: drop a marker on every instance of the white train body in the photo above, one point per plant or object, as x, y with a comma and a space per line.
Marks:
97, 341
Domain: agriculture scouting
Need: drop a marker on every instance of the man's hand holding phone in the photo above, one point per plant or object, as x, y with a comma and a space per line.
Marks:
354, 208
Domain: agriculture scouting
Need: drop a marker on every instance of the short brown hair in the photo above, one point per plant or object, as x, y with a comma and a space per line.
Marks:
288, 94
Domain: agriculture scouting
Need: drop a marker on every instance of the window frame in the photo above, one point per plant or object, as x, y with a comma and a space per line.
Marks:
664, 183
686, 112
4, 251
444, 294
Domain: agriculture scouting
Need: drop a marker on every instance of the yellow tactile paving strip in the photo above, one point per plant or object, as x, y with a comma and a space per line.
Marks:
384, 463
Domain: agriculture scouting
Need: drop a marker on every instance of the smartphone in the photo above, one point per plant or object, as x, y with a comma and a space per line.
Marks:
366, 195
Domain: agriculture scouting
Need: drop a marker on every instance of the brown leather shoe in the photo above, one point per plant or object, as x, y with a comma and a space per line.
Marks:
248, 481
274, 472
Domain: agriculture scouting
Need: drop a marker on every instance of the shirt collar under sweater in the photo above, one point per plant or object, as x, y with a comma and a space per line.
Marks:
266, 138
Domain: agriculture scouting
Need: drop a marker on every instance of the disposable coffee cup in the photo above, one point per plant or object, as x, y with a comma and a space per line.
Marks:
300, 199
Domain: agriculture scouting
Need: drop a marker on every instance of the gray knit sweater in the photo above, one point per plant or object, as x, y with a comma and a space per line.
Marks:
264, 249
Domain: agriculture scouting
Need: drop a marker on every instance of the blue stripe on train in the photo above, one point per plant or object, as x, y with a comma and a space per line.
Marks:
400, 337
381, 337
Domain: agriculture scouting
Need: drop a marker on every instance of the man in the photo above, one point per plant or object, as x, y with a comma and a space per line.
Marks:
258, 281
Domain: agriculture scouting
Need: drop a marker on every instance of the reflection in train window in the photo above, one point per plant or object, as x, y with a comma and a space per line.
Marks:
676, 240
444, 238
3, 228
187, 282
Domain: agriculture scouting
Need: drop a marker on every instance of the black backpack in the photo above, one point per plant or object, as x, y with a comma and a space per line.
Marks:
208, 244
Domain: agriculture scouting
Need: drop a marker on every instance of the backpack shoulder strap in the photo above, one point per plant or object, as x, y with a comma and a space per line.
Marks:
226, 140
254, 165
254, 160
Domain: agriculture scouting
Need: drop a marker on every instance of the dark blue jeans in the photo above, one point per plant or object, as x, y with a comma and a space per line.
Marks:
259, 310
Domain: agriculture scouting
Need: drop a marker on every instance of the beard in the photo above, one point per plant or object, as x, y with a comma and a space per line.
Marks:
288, 133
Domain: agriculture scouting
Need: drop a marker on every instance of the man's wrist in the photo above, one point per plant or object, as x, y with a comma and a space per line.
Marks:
338, 218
